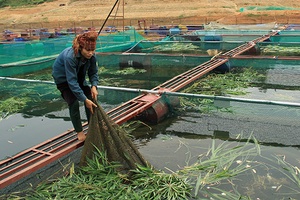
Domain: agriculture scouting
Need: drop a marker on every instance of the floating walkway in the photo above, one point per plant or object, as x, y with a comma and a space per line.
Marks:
13, 169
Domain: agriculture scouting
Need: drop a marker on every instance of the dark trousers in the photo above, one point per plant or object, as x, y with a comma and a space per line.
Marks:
73, 104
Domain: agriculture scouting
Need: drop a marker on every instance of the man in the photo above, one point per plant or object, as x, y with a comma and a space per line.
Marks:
69, 71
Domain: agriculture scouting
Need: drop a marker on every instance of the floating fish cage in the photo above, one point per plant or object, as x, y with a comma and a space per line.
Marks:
181, 50
29, 56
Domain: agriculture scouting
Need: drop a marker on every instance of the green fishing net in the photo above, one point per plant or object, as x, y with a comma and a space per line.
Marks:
107, 136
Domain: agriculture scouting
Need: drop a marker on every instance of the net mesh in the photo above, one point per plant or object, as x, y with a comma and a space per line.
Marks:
105, 135
28, 52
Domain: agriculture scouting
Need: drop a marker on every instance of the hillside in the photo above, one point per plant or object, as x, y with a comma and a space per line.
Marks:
70, 12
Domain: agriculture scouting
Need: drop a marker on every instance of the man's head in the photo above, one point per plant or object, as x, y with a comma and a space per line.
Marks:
85, 41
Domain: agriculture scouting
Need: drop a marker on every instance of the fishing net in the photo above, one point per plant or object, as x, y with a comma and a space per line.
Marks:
107, 136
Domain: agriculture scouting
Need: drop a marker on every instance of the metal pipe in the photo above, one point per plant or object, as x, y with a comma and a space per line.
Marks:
258, 101
26, 80
245, 100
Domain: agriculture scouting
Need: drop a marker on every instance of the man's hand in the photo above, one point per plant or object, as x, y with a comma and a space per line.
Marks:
94, 92
90, 105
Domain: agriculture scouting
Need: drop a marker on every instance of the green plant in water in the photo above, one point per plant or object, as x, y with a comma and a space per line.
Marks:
125, 71
221, 163
292, 172
18, 95
129, 71
12, 105
232, 83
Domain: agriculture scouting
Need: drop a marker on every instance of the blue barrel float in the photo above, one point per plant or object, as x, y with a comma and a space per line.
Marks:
212, 42
224, 68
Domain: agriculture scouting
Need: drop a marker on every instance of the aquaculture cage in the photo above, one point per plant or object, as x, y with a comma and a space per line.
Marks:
268, 107
181, 45
118, 41
25, 51
159, 54
29, 56
285, 38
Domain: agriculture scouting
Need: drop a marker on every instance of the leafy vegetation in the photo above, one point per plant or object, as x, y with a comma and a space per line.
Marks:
175, 48
101, 180
233, 83
216, 175
274, 50
12, 105
19, 95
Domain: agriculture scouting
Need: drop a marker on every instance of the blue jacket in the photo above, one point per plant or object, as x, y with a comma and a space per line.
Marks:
66, 67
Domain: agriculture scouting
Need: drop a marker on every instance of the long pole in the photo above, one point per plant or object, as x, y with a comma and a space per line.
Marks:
108, 17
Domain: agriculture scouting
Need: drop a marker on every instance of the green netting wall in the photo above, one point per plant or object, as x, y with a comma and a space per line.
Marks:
33, 65
289, 32
214, 37
147, 61
264, 63
24, 57
191, 54
285, 38
25, 51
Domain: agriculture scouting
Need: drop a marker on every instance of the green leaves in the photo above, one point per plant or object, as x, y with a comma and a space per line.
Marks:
104, 182
158, 185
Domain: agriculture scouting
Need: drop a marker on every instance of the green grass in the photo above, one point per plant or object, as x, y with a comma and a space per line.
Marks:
19, 3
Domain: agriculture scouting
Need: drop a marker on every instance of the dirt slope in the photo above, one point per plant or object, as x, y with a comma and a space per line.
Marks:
165, 11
